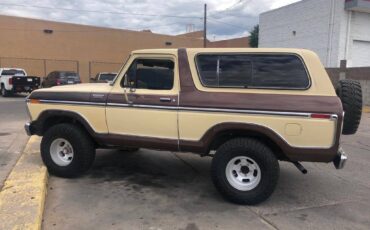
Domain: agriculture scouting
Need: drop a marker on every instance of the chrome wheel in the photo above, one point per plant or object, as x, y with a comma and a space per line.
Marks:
61, 152
243, 173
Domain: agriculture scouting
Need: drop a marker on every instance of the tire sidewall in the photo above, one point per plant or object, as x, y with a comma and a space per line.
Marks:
350, 94
3, 92
269, 174
74, 168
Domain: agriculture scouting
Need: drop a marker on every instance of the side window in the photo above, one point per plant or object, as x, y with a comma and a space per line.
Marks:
252, 71
279, 71
225, 71
155, 74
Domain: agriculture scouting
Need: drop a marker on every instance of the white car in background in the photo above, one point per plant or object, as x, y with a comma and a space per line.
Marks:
15, 80
103, 77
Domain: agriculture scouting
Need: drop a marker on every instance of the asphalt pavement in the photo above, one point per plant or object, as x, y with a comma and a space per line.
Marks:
12, 136
166, 190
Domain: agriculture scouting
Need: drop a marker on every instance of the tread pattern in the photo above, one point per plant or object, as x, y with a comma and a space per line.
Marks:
261, 154
350, 93
84, 151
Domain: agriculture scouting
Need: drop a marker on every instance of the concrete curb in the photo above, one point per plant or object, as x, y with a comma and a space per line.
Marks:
366, 109
23, 195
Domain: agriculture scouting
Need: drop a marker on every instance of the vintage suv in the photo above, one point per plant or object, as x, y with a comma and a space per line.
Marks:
248, 108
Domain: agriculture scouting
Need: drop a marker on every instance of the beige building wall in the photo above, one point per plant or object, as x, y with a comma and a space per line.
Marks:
86, 49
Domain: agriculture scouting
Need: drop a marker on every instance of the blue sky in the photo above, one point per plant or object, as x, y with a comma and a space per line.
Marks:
227, 18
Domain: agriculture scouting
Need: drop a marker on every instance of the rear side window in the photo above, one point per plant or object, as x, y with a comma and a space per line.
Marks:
252, 71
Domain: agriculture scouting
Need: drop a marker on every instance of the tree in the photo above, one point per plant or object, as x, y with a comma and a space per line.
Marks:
253, 38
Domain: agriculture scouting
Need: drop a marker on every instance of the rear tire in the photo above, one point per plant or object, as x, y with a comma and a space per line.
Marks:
245, 171
4, 92
67, 150
350, 93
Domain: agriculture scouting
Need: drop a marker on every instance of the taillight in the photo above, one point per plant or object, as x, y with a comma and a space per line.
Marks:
58, 82
320, 116
11, 81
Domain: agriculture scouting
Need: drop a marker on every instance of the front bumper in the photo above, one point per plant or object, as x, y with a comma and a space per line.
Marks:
340, 160
28, 128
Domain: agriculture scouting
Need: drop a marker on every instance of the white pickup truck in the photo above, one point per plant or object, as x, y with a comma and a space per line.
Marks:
15, 80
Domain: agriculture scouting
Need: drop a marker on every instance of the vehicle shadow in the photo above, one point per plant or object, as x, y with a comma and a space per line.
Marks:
164, 173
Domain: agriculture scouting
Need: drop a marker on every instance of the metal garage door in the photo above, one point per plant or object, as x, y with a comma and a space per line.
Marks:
361, 53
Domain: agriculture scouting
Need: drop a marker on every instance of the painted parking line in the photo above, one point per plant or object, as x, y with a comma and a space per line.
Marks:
23, 195
366, 109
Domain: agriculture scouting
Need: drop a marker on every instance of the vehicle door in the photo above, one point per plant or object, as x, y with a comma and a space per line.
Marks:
144, 100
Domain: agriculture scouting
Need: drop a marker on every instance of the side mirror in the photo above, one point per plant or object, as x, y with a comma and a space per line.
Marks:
132, 86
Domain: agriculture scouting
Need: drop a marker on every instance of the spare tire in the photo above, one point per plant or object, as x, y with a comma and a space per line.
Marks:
350, 93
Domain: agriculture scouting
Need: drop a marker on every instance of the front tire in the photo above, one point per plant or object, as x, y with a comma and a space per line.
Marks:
67, 151
245, 171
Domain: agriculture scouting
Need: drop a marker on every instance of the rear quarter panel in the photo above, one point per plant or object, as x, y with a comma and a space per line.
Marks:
298, 132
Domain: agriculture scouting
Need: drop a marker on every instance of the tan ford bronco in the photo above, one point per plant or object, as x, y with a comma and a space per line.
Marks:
247, 108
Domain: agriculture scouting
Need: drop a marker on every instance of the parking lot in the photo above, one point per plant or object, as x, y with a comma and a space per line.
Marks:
12, 136
166, 190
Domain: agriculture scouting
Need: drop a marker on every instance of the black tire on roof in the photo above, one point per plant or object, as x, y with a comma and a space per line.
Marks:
350, 93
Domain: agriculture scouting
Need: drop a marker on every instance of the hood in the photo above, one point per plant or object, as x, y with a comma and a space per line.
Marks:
81, 93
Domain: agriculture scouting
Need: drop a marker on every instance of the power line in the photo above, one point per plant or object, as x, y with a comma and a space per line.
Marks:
98, 11
226, 9
126, 13
225, 23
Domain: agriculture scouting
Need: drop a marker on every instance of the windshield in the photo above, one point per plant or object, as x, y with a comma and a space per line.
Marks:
69, 75
120, 70
13, 72
107, 76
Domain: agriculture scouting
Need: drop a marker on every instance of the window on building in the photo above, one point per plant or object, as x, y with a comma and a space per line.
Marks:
252, 71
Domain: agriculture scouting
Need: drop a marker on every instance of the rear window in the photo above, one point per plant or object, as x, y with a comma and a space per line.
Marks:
107, 76
65, 75
252, 71
12, 72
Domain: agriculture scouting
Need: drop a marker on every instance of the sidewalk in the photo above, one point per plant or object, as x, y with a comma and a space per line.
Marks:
23, 196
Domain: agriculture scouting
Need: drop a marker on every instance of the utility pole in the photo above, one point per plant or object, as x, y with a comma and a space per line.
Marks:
205, 27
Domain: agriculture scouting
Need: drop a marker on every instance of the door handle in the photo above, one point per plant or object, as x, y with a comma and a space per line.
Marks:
165, 99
